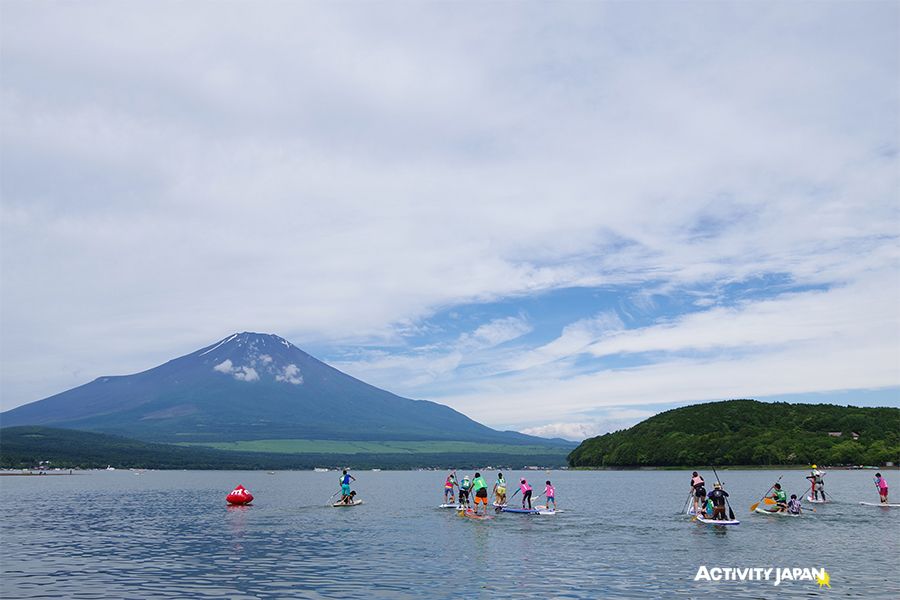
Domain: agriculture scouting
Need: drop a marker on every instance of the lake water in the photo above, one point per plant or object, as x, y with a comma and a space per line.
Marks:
168, 534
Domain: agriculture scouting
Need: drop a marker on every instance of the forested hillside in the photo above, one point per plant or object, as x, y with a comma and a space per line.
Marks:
747, 432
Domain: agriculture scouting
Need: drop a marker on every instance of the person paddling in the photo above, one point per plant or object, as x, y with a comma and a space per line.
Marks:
346, 478
793, 505
526, 493
717, 497
550, 493
464, 488
698, 491
500, 490
817, 483
780, 498
882, 486
481, 493
449, 497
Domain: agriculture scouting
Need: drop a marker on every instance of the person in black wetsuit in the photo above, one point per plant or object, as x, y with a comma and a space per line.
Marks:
717, 496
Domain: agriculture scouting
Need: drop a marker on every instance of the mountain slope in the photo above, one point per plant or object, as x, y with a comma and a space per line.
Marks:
251, 386
25, 447
747, 432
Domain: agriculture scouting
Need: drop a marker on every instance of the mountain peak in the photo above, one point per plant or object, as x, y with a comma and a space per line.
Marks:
249, 356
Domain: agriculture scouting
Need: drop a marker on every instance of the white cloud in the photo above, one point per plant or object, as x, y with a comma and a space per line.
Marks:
472, 159
290, 374
224, 367
246, 374
494, 333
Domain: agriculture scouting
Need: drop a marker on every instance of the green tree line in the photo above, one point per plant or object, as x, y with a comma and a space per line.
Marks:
747, 432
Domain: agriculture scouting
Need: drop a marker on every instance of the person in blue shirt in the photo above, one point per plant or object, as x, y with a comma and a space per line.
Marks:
346, 478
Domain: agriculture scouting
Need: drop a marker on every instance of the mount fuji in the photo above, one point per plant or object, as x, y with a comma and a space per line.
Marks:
251, 386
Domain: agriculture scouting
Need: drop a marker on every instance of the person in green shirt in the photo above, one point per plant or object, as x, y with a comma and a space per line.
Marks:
780, 498
481, 492
464, 488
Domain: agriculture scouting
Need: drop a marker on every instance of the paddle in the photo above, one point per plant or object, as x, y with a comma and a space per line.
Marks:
753, 506
684, 508
728, 504
730, 512
332, 498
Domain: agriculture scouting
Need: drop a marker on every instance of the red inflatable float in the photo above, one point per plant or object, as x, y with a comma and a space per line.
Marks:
239, 495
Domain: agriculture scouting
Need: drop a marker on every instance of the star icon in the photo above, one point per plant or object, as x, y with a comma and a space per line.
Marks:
825, 579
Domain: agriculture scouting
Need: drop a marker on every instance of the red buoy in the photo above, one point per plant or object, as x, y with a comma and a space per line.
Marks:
239, 495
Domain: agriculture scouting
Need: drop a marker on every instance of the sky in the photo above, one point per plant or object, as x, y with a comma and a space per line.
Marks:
559, 218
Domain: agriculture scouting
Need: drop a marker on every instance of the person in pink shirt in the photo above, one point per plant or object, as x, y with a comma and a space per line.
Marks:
882, 486
526, 493
550, 492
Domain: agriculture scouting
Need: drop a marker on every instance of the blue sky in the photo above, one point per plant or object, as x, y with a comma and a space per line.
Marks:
555, 218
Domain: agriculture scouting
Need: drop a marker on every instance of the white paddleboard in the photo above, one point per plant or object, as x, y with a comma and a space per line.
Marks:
774, 513
453, 506
715, 522
884, 504
811, 500
343, 504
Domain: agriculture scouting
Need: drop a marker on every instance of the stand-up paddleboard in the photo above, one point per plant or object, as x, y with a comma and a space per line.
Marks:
470, 514
523, 511
775, 513
884, 504
498, 505
717, 522
811, 500
453, 506
343, 504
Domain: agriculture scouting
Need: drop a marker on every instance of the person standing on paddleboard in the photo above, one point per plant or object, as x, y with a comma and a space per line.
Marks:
882, 486
717, 497
526, 493
698, 490
550, 492
346, 478
448, 488
500, 490
481, 492
817, 483
464, 488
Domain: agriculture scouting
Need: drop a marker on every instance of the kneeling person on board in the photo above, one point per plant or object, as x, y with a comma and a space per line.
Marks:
780, 498
697, 486
882, 486
793, 506
481, 493
500, 490
550, 493
526, 493
464, 488
717, 497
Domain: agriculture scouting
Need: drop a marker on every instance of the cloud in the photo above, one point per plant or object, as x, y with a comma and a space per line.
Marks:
494, 333
224, 367
474, 159
290, 374
240, 373
246, 374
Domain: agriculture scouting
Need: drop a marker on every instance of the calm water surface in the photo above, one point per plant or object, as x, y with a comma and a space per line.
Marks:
165, 534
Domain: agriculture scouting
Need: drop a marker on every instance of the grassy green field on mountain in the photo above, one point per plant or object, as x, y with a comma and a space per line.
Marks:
372, 447
747, 432
26, 446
